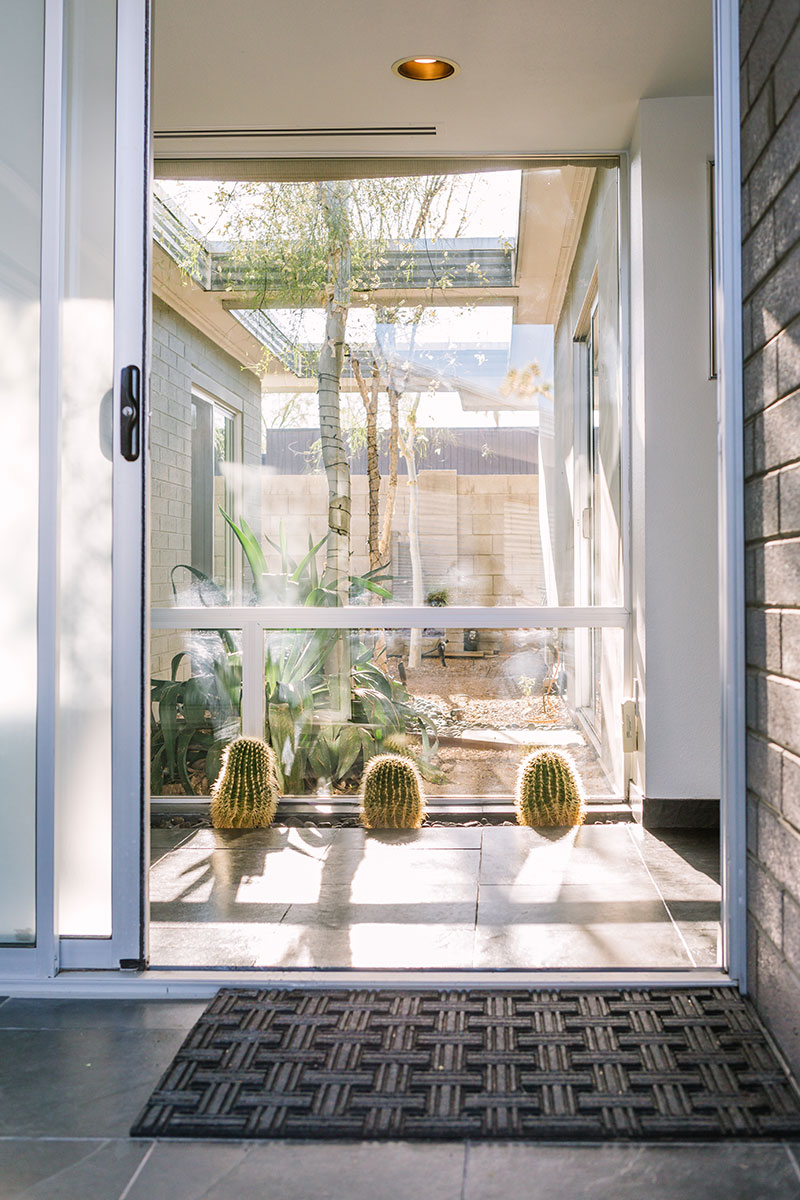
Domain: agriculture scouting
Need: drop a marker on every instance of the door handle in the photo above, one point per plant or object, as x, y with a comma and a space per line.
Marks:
130, 413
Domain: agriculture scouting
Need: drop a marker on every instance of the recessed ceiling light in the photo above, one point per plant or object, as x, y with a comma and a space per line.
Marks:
425, 68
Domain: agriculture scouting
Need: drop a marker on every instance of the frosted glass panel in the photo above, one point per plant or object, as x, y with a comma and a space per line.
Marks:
21, 50
83, 755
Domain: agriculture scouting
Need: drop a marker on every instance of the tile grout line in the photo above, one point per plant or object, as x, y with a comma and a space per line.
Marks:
477, 902
126, 1190
792, 1159
660, 895
85, 1158
58, 1137
464, 1173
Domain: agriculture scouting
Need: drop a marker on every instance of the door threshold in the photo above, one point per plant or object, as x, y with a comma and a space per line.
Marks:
455, 810
203, 983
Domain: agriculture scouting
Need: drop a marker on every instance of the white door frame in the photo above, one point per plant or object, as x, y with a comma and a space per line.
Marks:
733, 809
36, 968
129, 669
731, 550
19, 966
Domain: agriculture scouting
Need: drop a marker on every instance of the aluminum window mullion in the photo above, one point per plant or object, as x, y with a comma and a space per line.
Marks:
733, 812
390, 617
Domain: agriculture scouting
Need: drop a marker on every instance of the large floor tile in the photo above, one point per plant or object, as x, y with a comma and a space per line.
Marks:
699, 925
210, 942
440, 837
394, 873
164, 840
301, 1171
585, 897
582, 927
686, 1172
440, 946
585, 854
355, 941
313, 840
67, 1170
21, 1013
227, 878
684, 866
78, 1082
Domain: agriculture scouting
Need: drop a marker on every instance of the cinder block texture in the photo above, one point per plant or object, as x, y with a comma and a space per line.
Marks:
770, 110
184, 358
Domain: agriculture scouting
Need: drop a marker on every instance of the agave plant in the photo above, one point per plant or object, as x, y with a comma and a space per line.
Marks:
192, 720
299, 582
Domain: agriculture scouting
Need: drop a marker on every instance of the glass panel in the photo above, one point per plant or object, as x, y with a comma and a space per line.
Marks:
83, 750
410, 362
195, 694
225, 460
21, 84
478, 701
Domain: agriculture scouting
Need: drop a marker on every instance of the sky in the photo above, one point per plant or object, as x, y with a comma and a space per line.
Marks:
491, 199
488, 203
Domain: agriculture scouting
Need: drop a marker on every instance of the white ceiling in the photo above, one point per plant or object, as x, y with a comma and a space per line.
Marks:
537, 76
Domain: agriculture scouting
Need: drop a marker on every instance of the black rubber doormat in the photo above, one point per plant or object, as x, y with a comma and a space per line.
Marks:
551, 1064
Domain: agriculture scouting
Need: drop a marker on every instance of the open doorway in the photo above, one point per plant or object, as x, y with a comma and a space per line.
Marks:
401, 395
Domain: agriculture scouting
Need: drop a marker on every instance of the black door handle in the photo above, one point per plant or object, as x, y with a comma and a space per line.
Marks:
130, 412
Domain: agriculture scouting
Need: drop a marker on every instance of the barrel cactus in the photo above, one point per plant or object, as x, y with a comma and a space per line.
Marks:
392, 795
548, 790
245, 794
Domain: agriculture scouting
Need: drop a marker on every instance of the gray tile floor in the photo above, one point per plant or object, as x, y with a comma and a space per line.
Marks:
73, 1075
484, 897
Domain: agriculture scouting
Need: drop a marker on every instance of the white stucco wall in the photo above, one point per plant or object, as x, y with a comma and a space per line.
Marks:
674, 453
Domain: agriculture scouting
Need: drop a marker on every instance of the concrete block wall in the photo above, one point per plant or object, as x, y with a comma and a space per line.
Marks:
479, 534
770, 111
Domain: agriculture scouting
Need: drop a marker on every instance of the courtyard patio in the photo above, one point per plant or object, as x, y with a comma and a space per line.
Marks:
482, 897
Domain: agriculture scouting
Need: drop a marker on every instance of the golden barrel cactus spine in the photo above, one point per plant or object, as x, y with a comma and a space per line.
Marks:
245, 794
549, 791
392, 795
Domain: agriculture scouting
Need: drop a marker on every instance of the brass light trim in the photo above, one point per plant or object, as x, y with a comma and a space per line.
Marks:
425, 67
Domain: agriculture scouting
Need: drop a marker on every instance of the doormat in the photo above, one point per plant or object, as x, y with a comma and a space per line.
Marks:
470, 1064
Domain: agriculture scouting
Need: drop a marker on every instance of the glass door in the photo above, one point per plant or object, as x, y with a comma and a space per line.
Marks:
75, 200
399, 352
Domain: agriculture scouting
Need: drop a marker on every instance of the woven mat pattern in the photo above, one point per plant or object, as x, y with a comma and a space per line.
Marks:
545, 1064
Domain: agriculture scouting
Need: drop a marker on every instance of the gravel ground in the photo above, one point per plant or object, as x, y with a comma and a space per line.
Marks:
484, 693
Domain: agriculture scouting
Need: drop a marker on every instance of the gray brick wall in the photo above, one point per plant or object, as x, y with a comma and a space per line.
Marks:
770, 108
183, 357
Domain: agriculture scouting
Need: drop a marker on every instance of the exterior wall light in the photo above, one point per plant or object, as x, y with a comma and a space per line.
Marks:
425, 68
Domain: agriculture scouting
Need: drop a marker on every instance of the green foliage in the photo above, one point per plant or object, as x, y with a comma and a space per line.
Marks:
548, 790
192, 720
337, 751
438, 598
245, 795
422, 758
282, 235
392, 794
299, 582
